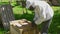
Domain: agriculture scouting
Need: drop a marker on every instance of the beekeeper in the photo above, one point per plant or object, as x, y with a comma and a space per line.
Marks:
43, 14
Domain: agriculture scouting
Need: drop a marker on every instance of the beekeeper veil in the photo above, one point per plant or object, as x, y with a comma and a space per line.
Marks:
29, 3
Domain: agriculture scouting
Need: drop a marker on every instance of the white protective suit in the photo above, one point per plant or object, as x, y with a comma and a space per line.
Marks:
43, 11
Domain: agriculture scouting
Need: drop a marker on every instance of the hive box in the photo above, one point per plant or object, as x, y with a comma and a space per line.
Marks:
16, 27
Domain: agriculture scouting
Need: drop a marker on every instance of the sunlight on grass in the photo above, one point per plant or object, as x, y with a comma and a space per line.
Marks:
55, 8
58, 26
7, 0
19, 10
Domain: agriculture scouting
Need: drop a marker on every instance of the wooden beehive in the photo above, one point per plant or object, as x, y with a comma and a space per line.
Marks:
22, 29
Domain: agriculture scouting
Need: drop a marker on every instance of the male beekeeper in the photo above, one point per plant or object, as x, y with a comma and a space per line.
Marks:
43, 13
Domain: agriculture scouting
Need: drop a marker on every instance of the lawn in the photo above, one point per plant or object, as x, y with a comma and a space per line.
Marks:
55, 25
18, 14
1, 30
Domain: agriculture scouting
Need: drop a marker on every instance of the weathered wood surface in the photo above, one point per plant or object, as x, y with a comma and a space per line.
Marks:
6, 14
24, 29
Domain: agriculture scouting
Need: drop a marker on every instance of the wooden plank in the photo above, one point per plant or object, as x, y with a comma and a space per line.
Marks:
25, 29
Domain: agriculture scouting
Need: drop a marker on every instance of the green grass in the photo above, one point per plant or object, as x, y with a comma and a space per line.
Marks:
1, 30
55, 25
18, 12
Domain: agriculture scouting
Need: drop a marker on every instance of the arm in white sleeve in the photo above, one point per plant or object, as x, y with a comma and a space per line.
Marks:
41, 15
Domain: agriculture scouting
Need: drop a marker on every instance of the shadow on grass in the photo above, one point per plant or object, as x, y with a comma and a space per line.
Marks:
24, 16
55, 25
1, 28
